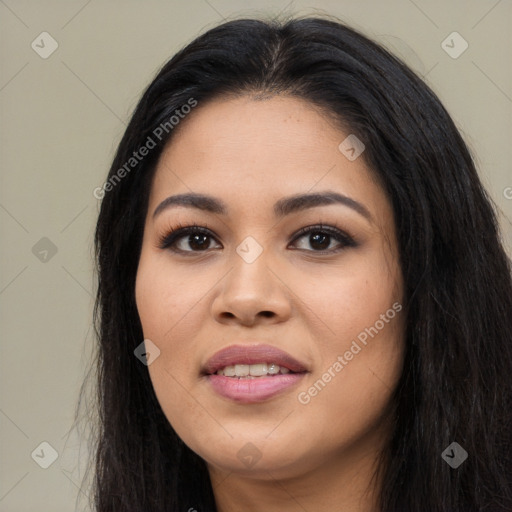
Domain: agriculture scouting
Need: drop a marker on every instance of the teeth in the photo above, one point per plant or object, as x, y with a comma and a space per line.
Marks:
252, 370
242, 370
229, 371
273, 369
256, 370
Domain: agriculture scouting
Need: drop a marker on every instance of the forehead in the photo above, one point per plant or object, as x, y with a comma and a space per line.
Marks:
260, 149
225, 128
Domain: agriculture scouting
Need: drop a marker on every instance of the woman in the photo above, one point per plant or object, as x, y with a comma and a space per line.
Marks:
303, 301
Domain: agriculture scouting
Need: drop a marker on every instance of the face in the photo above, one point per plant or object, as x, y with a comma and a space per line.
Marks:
293, 250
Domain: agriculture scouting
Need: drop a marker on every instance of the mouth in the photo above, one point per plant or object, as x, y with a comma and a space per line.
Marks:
252, 360
252, 373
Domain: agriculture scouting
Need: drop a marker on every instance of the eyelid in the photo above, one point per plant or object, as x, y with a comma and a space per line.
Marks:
166, 240
175, 233
330, 229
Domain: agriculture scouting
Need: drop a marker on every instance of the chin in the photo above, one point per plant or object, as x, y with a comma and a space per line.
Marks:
261, 458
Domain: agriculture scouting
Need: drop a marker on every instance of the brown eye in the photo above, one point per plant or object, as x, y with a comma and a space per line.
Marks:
322, 239
319, 241
197, 242
188, 239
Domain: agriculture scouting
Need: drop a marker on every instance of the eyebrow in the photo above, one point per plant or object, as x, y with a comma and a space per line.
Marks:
283, 207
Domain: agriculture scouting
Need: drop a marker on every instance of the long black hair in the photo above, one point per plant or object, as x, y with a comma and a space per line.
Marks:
456, 385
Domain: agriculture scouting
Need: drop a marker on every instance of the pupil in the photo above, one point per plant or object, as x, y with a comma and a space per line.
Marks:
198, 241
319, 240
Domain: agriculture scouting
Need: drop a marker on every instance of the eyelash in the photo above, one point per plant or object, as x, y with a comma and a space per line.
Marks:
180, 231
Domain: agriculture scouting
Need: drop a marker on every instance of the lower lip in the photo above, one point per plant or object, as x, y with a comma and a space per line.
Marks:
249, 391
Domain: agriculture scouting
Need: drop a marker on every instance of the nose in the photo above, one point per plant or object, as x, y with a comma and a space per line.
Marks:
252, 293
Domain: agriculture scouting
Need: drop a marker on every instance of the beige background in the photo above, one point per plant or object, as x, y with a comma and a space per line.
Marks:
62, 118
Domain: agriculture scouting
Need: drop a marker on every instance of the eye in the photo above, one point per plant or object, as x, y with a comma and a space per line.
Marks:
195, 239
187, 239
323, 239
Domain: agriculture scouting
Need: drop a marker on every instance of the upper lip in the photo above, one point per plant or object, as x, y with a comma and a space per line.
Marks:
252, 354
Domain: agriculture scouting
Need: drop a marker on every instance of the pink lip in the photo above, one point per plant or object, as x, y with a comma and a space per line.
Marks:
255, 390
249, 391
252, 354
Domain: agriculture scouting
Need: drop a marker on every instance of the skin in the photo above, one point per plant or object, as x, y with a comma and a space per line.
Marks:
251, 153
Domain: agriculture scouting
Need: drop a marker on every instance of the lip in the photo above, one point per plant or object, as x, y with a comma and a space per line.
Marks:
252, 354
250, 391
260, 389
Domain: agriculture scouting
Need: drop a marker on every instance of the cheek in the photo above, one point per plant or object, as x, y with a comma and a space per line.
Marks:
357, 316
344, 301
165, 302
164, 298
168, 306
